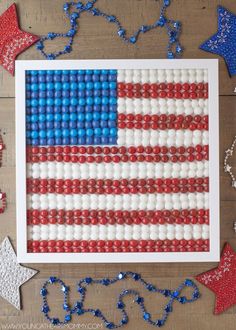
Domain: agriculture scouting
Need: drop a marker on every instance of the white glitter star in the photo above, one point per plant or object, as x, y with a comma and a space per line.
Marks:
12, 274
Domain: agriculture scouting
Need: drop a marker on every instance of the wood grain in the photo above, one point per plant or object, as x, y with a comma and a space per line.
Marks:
97, 39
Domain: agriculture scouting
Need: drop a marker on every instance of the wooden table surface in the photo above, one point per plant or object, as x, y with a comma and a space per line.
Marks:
97, 39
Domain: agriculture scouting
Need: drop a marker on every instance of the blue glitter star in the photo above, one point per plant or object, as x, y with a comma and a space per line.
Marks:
223, 42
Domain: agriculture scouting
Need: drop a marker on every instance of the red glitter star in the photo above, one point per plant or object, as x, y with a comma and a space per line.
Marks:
222, 280
13, 40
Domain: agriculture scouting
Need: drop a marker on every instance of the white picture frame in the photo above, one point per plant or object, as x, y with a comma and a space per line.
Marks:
214, 252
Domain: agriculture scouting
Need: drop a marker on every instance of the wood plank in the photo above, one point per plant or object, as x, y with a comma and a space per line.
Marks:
97, 39
227, 133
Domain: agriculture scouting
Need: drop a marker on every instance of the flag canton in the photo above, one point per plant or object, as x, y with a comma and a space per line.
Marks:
77, 107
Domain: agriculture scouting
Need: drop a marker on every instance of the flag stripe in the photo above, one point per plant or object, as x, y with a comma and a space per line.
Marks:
118, 154
117, 171
133, 158
162, 106
134, 186
117, 231
88, 246
154, 126
163, 94
162, 201
163, 76
93, 217
152, 87
167, 137
163, 122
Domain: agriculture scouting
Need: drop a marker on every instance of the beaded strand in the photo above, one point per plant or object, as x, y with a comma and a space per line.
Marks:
172, 27
79, 309
3, 198
228, 167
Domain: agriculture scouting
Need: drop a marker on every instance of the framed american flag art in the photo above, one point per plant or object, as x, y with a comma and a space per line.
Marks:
117, 161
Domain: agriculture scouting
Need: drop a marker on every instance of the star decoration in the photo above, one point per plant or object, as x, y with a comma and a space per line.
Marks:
227, 168
234, 184
223, 42
13, 40
229, 152
12, 274
222, 280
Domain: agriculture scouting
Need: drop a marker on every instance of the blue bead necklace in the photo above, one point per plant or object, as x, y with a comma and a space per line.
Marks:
73, 11
79, 309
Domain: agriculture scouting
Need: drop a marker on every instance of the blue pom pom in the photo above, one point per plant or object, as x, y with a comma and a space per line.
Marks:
81, 132
89, 132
